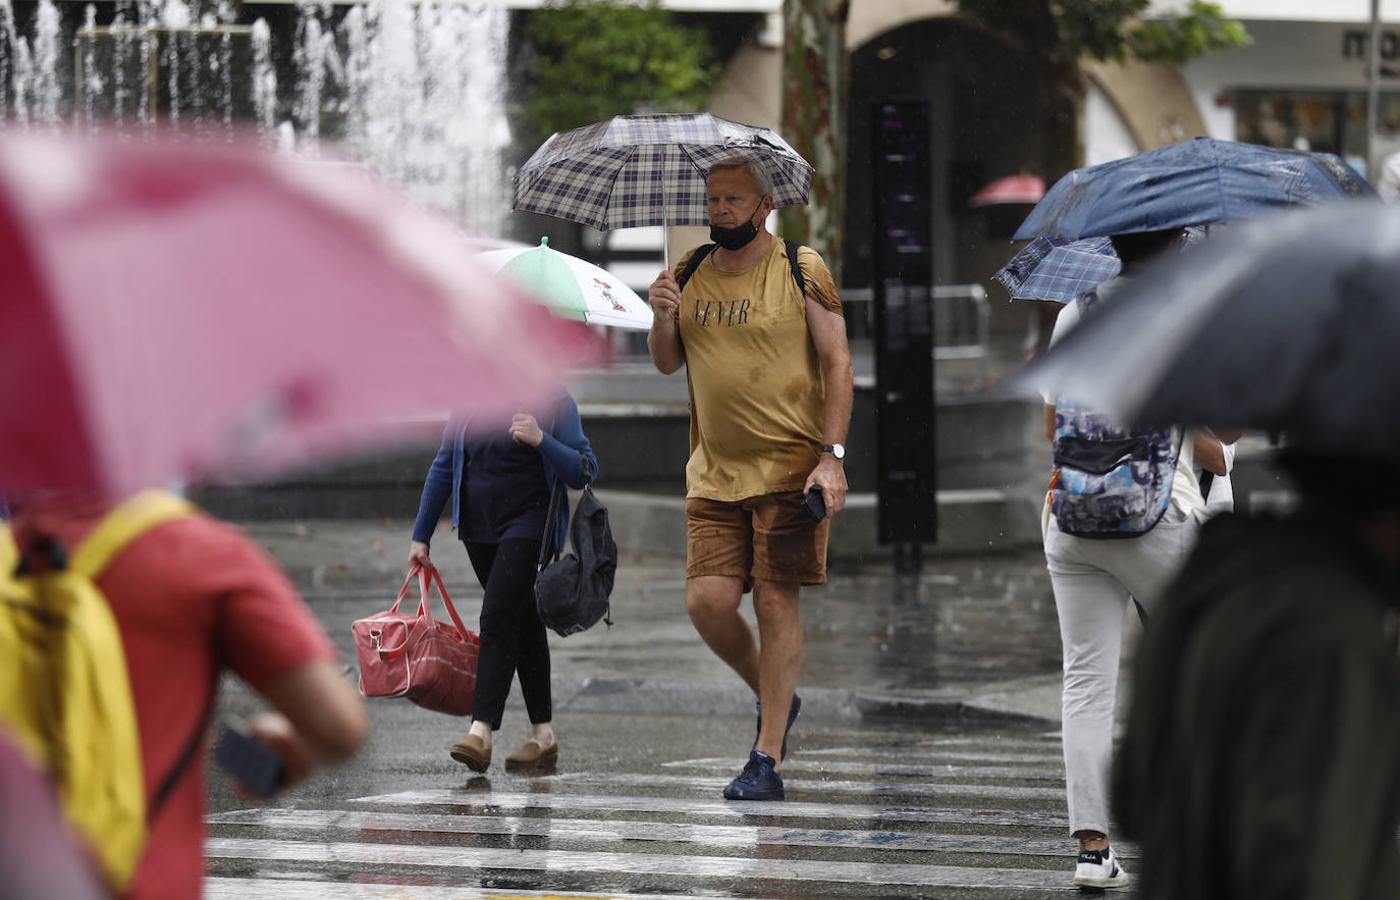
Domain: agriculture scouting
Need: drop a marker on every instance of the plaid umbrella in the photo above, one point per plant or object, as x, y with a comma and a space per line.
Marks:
650, 170
1057, 271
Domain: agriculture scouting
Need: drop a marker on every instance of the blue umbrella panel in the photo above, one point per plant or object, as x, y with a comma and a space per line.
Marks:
1058, 272
1197, 182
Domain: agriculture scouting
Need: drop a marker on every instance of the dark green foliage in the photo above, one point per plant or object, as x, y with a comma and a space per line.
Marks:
1107, 29
1202, 29
601, 58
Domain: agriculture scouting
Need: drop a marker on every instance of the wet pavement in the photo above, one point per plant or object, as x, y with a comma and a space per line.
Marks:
885, 810
966, 622
908, 797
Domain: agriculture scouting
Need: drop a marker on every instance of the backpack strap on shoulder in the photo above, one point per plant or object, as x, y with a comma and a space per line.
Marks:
128, 521
694, 262
792, 247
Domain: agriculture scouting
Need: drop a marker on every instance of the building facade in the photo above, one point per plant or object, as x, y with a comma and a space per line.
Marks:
1301, 83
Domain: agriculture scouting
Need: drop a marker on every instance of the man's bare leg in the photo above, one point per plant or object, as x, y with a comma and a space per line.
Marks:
713, 604
780, 659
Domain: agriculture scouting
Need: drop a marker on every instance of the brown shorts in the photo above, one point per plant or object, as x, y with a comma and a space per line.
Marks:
766, 538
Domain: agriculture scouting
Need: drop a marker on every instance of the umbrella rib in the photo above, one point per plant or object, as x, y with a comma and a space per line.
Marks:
702, 172
1220, 190
612, 188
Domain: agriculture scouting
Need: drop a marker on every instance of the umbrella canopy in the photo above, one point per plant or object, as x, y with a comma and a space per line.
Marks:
177, 311
1198, 182
1058, 272
1013, 189
571, 287
632, 171
1289, 325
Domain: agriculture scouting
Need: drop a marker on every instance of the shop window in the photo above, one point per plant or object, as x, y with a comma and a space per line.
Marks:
1324, 121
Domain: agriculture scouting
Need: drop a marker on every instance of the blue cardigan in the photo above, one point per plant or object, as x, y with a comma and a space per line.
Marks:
564, 451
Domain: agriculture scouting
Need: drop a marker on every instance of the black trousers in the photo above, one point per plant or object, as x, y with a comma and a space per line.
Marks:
513, 637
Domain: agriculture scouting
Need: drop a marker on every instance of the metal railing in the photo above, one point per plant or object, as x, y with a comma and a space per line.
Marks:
962, 323
962, 318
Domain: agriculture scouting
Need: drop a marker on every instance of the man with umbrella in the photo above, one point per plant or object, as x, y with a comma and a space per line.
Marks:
757, 323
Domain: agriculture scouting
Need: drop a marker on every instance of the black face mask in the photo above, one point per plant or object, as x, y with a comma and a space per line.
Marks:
738, 237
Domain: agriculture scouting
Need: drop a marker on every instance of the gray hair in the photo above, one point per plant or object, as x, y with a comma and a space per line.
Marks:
748, 164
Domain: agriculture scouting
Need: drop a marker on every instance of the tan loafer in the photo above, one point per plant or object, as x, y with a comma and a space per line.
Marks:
533, 757
472, 752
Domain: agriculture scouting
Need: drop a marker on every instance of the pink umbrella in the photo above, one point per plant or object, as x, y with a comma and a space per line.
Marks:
1013, 189
179, 310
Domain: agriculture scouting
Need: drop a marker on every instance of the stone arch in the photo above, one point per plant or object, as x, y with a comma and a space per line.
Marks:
1154, 101
869, 19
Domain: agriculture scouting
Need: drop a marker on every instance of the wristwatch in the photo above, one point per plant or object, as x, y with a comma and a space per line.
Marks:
836, 450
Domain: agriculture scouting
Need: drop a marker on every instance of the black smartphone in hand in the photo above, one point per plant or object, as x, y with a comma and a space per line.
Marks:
815, 503
249, 761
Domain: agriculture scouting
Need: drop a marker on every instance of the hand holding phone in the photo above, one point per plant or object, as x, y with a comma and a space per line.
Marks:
815, 503
249, 761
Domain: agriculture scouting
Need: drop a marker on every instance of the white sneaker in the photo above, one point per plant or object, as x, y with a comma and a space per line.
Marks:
1099, 869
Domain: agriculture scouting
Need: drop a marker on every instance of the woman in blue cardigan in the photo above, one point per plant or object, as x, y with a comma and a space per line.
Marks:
500, 476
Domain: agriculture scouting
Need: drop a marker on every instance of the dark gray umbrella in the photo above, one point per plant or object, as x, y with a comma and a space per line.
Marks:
1288, 325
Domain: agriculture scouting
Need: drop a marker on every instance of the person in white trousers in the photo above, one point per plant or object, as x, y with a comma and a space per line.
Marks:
1094, 582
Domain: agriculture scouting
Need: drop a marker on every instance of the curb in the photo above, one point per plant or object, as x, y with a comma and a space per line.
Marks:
638, 696
1014, 702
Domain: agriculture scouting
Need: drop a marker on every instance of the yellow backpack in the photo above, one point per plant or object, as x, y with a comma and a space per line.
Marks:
65, 697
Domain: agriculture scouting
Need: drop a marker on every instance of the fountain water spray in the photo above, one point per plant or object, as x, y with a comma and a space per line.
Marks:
413, 91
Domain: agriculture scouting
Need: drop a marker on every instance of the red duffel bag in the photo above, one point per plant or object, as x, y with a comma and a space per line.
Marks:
431, 663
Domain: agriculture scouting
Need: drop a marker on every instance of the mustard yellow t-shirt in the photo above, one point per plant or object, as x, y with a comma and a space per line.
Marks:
756, 392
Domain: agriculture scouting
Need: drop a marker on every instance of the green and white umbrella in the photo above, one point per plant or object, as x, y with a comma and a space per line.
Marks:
571, 287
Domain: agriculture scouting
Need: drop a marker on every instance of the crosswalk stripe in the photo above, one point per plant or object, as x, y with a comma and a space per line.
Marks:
938, 756
1049, 742
587, 830
796, 781
286, 889
567, 861
732, 809
876, 770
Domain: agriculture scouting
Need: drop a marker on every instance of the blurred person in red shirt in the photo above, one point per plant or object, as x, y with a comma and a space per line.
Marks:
194, 597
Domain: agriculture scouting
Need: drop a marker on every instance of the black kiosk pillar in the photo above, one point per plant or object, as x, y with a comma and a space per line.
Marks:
903, 258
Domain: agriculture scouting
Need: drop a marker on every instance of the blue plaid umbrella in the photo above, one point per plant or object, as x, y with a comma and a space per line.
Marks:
1056, 271
650, 170
1059, 271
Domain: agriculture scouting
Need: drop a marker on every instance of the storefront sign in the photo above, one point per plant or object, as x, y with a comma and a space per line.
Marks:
1356, 44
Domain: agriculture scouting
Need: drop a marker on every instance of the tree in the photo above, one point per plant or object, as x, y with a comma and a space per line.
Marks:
1061, 33
595, 59
814, 119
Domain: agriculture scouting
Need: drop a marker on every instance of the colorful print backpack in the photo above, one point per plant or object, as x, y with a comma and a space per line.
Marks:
1110, 481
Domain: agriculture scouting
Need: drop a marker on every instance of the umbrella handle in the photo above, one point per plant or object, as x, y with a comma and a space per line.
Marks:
665, 228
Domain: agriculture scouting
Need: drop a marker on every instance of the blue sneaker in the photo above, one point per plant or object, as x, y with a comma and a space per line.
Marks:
758, 781
792, 717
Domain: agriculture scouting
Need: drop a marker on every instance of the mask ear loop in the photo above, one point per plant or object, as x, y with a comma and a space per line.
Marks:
757, 208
